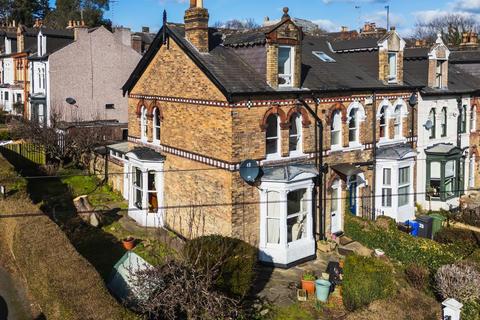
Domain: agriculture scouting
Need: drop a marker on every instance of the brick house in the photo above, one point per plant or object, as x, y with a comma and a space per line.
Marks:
203, 100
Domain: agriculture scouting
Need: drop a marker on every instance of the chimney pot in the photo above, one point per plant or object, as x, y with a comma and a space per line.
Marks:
392, 28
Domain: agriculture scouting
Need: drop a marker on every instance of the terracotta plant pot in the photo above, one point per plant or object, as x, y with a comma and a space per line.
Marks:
309, 286
129, 243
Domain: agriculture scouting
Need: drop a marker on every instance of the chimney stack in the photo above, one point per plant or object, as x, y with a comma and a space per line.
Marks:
196, 25
469, 40
79, 28
21, 38
146, 29
344, 29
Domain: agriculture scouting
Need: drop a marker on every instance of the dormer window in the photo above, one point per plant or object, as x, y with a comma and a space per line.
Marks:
392, 67
285, 66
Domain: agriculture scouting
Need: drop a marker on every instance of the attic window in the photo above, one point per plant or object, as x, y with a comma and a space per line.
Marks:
109, 106
439, 74
323, 56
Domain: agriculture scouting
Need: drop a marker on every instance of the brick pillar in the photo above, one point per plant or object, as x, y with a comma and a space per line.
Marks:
272, 65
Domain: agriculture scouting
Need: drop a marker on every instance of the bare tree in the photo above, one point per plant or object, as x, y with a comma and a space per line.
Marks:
179, 290
236, 24
62, 143
450, 26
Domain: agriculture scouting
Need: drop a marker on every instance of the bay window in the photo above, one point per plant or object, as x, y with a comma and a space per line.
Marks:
387, 188
285, 66
138, 188
272, 136
336, 130
403, 186
444, 177
273, 217
296, 215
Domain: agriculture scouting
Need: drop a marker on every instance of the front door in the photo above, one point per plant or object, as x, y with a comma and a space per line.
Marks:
352, 199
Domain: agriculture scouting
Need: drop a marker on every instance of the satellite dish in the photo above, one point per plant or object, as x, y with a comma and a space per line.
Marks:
428, 125
71, 101
249, 171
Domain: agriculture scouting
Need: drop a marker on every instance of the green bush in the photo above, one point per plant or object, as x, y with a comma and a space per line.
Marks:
232, 259
365, 280
4, 135
471, 311
403, 247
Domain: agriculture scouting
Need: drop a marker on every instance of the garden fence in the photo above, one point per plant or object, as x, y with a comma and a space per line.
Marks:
26, 151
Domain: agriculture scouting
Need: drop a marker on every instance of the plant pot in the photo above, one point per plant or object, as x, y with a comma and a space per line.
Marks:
309, 286
128, 243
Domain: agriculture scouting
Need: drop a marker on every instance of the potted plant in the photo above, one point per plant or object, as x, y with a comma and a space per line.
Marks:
308, 282
129, 243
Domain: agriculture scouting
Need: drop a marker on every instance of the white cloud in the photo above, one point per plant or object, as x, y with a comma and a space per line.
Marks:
466, 5
327, 25
429, 15
368, 1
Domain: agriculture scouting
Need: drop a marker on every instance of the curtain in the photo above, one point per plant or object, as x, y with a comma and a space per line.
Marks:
273, 217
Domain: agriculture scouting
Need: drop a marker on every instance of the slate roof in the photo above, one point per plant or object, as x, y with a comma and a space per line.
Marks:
367, 43
415, 73
471, 56
443, 149
236, 68
147, 154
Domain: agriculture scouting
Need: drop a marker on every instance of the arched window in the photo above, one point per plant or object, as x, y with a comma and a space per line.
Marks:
353, 125
473, 118
398, 121
383, 122
156, 124
143, 123
336, 130
432, 117
295, 133
443, 122
462, 119
272, 136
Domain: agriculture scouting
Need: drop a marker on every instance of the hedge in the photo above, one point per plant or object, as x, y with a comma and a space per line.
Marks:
402, 246
365, 280
60, 280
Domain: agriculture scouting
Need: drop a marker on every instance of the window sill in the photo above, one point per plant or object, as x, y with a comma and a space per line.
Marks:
336, 148
354, 147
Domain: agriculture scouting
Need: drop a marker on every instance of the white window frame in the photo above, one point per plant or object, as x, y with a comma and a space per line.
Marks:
385, 126
354, 116
302, 213
297, 117
473, 118
143, 124
284, 252
387, 188
404, 185
432, 116
444, 122
277, 138
336, 129
336, 198
471, 175
289, 80
398, 121
156, 126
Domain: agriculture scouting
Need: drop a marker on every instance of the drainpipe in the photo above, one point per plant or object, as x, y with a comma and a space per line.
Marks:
319, 163
374, 153
413, 101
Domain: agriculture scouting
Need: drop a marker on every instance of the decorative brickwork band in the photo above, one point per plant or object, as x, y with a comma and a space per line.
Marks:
140, 104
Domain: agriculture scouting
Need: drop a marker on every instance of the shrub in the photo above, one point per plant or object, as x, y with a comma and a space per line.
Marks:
234, 259
366, 280
471, 311
468, 216
403, 247
452, 235
417, 276
4, 135
474, 258
459, 281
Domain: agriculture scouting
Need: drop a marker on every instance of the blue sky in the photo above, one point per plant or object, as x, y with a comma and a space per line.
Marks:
330, 14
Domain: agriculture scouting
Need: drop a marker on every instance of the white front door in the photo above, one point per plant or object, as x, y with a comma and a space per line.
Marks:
336, 207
